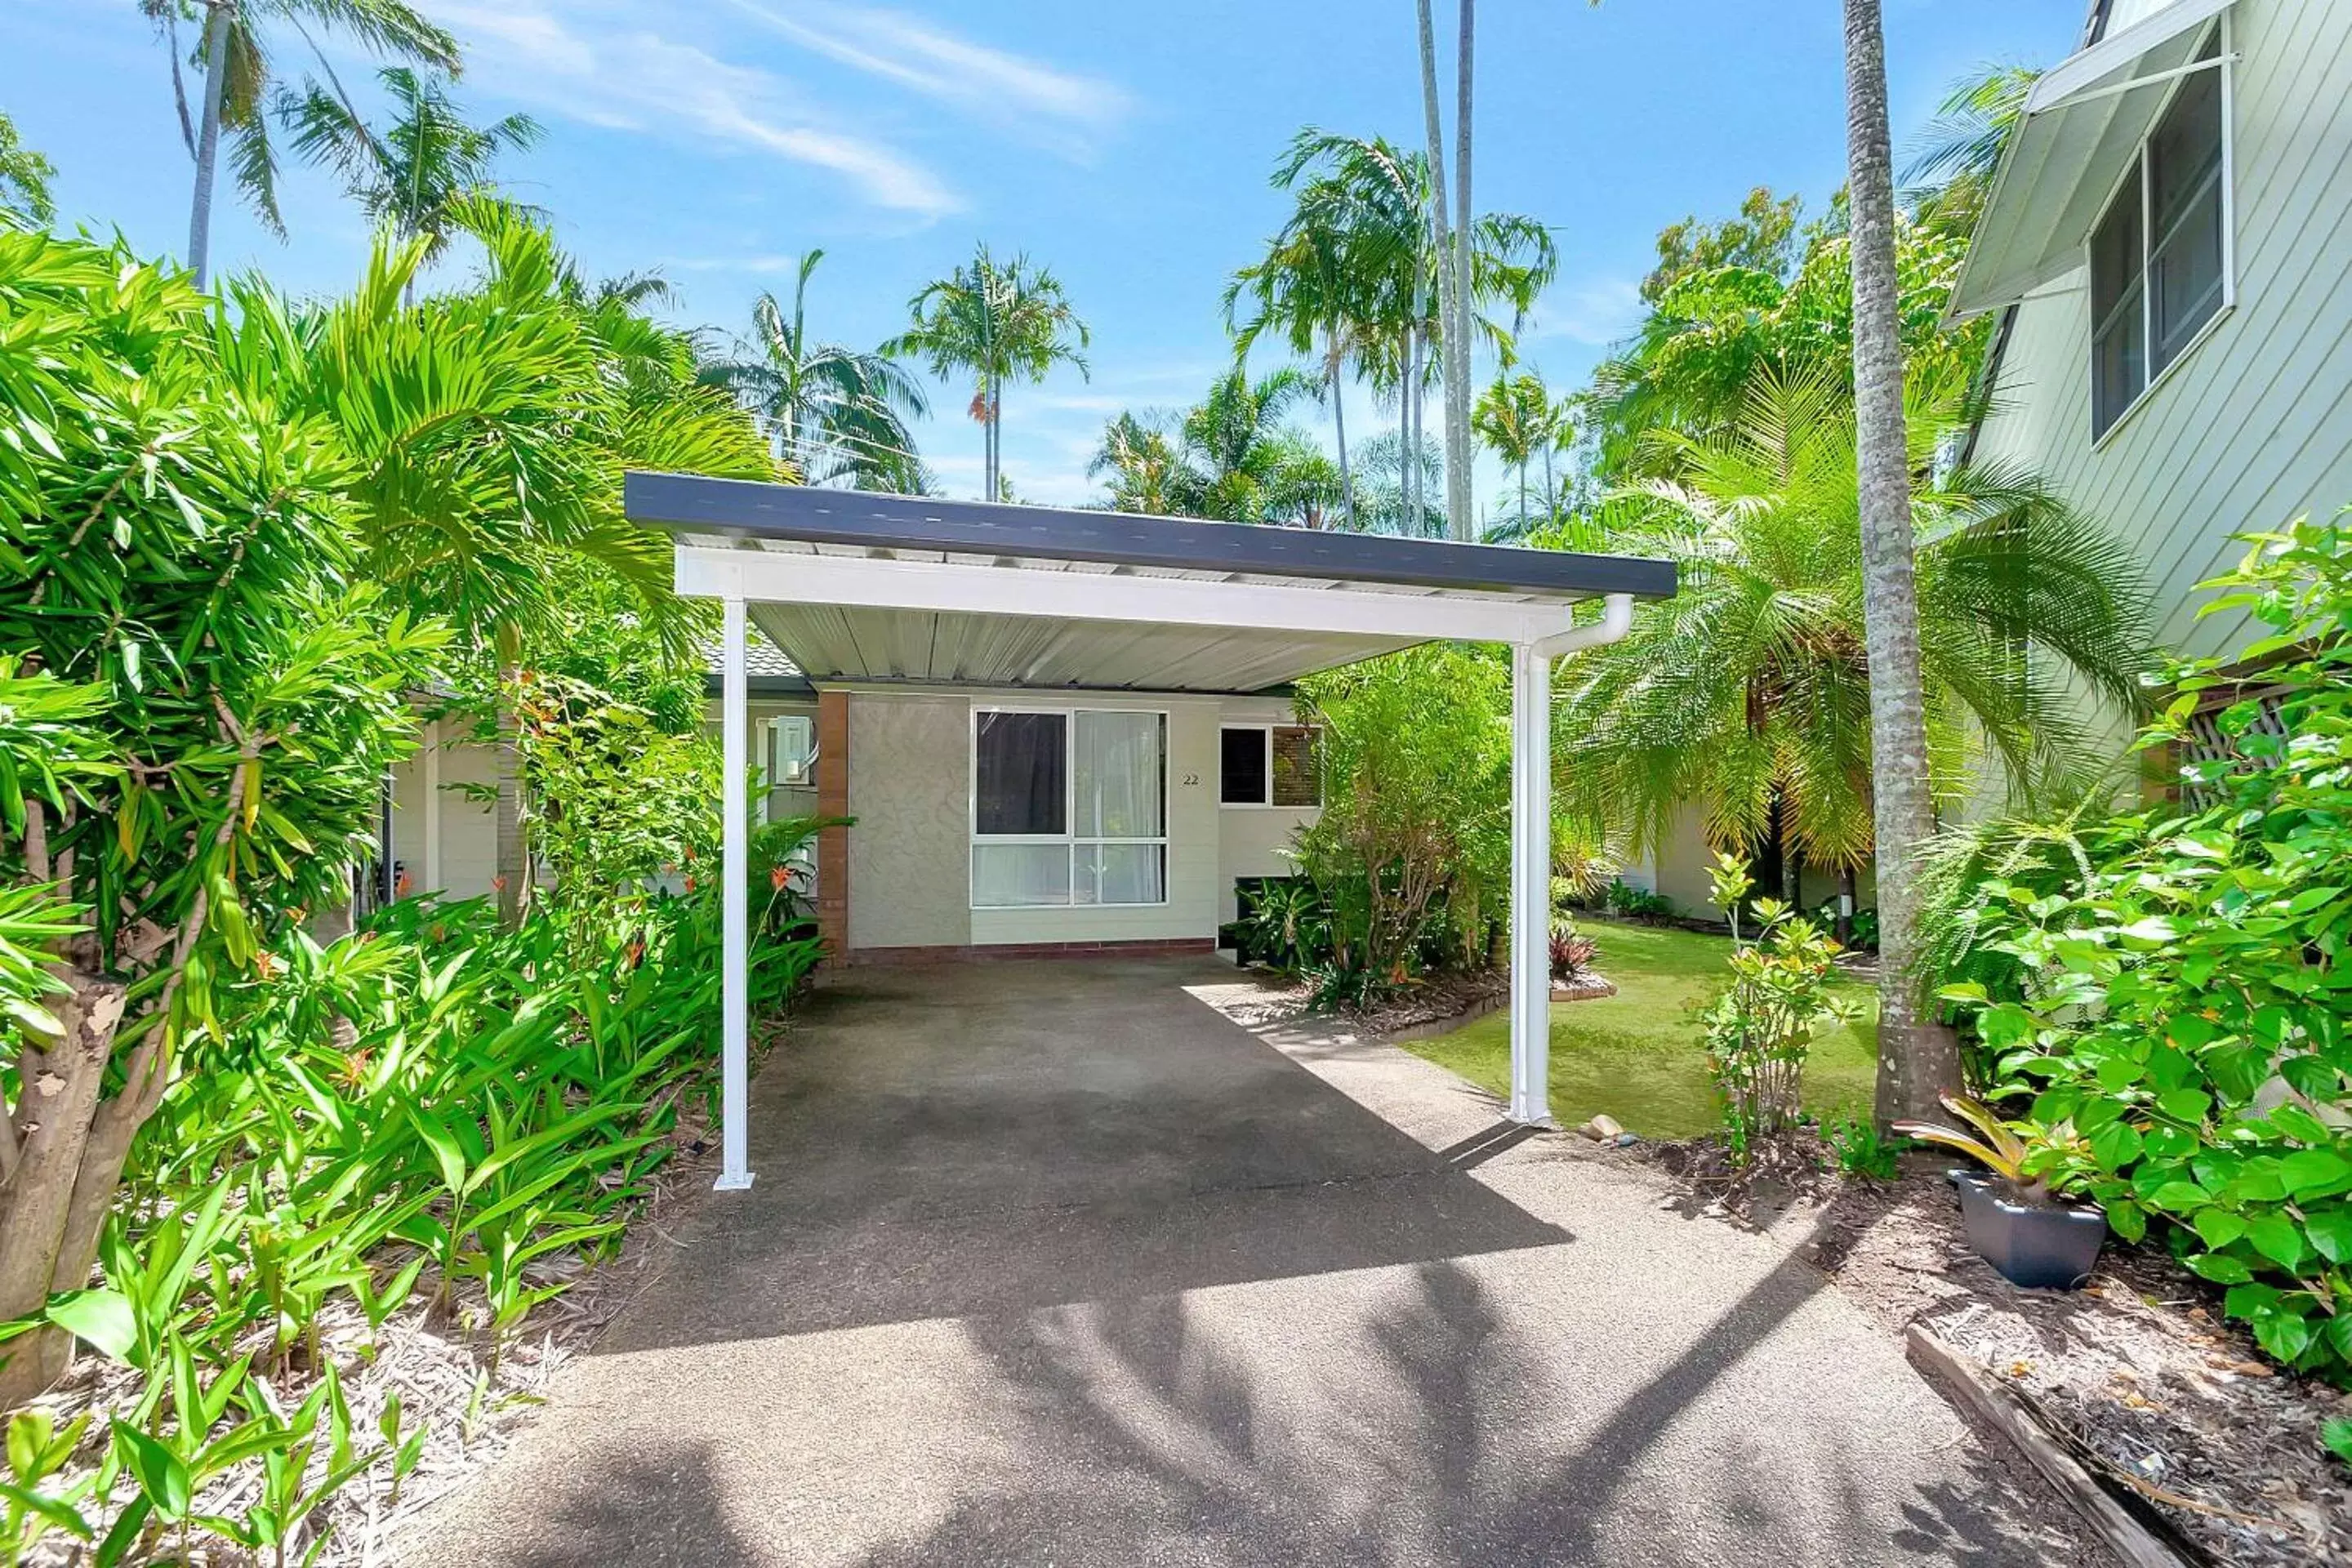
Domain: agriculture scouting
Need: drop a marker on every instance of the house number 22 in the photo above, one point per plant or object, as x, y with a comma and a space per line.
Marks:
1192, 781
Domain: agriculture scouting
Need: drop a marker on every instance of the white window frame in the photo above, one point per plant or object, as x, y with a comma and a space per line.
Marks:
1265, 729
2225, 61
1071, 836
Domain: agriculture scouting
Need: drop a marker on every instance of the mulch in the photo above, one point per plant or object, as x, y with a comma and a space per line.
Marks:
2138, 1366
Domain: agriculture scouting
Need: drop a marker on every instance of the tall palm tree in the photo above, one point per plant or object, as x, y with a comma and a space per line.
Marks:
1452, 336
412, 173
1918, 1061
1001, 322
832, 413
1750, 694
232, 54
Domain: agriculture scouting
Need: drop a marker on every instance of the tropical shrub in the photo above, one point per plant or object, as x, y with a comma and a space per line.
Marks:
1759, 1031
2170, 987
1627, 901
1571, 958
216, 702
1411, 853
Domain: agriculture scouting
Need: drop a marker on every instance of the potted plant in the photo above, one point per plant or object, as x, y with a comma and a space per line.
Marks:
2032, 1236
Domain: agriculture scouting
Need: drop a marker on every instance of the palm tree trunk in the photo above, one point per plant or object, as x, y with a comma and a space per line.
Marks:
1339, 423
1552, 497
1458, 490
1918, 1061
200, 207
1410, 475
1449, 288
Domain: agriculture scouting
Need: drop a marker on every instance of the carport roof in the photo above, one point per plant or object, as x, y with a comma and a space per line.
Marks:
862, 587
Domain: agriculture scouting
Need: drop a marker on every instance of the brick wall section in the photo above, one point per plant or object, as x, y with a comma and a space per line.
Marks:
833, 800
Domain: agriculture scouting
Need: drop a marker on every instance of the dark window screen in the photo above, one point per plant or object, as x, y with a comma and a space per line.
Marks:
1242, 770
1298, 775
1023, 765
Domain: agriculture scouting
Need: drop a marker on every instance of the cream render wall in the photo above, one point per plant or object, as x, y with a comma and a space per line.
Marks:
910, 853
2254, 426
470, 837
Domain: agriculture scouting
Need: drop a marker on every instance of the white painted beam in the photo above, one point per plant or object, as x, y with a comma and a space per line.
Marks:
775, 577
734, 889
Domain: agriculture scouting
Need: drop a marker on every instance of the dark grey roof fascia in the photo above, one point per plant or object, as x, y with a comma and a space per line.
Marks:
714, 684
746, 510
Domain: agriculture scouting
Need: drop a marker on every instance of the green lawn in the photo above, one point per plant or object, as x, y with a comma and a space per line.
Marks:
1636, 1055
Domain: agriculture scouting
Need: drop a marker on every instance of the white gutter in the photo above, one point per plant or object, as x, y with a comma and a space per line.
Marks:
1616, 620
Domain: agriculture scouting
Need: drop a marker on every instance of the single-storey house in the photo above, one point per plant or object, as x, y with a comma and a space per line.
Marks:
1054, 727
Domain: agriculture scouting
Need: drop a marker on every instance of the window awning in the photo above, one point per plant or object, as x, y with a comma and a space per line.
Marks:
2083, 124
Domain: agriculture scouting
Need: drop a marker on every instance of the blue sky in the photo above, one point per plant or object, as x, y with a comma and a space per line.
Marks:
1126, 146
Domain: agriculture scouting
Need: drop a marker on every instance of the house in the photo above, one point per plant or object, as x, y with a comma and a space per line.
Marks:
2169, 248
1054, 727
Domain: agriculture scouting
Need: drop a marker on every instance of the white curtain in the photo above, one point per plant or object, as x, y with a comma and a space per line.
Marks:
1121, 776
1017, 876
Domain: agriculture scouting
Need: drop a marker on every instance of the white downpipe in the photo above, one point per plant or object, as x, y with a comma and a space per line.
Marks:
734, 890
1532, 853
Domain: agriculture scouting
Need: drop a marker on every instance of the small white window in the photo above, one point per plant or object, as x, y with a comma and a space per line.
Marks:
1269, 765
1068, 808
2160, 254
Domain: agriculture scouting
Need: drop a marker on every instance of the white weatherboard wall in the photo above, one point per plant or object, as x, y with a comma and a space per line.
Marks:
469, 830
2254, 426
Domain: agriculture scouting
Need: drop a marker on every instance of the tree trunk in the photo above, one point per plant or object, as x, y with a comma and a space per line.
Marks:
1339, 424
1551, 497
1918, 1060
200, 207
44, 1213
1458, 486
1449, 289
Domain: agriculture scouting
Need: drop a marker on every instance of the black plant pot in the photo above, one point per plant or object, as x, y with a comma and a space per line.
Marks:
2042, 1246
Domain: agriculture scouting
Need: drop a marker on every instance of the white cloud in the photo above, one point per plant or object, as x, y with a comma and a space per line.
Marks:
610, 63
1597, 312
1065, 110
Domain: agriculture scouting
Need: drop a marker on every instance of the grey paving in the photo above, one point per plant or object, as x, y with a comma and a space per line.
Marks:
1052, 1263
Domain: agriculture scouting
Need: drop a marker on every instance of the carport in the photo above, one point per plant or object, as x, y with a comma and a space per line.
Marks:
921, 591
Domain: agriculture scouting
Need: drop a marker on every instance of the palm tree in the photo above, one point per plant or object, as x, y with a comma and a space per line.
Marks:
232, 55
1514, 418
1750, 693
1955, 159
1000, 323
411, 173
490, 429
1918, 1061
1232, 437
1147, 471
1453, 337
832, 413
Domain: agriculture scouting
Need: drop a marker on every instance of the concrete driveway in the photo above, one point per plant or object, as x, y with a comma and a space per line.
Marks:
1054, 1263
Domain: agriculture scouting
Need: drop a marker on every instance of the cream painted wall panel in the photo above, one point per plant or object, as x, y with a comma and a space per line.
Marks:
1251, 839
2254, 426
909, 869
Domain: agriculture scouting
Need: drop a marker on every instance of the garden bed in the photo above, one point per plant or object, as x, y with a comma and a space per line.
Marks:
2137, 1367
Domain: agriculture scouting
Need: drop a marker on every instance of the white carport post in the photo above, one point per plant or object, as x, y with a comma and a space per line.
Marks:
1530, 883
1531, 851
734, 890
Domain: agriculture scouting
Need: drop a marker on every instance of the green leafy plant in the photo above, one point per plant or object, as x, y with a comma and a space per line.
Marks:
37, 1452
2337, 1435
1572, 957
1629, 903
2169, 986
1995, 1145
1728, 883
1862, 1151
1760, 1030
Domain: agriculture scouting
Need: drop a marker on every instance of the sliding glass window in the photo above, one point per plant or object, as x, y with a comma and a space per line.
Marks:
1068, 808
